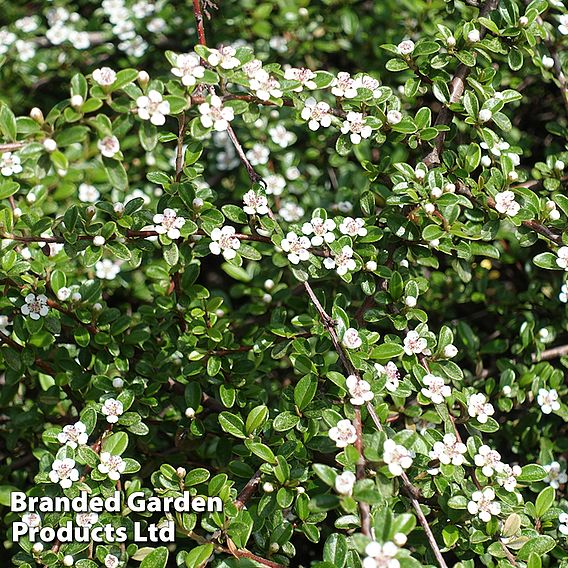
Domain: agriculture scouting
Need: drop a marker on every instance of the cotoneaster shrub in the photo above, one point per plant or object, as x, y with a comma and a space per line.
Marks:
312, 263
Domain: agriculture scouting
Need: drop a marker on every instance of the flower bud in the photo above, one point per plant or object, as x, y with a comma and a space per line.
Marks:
91, 211
274, 547
267, 298
429, 208
559, 165
436, 193
410, 301
473, 36
486, 161
485, 115
513, 176
117, 383
97, 307
451, 41
300, 490
268, 284
16, 213
450, 351
37, 115
267, 487
77, 101
118, 208
181, 472
434, 243
31, 198
547, 62
50, 145
37, 547
68, 560
63, 294
450, 187
523, 21
197, 203
371, 265
143, 79
554, 215
99, 241
190, 412
394, 116
507, 390
76, 297
400, 539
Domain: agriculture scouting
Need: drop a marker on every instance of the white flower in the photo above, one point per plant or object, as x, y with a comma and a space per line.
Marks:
50, 145
73, 435
188, 67
296, 247
224, 56
413, 343
555, 476
437, 391
26, 49
254, 203
548, 400
483, 505
35, 306
27, 24
10, 164
397, 457
109, 146
281, 136
224, 242
563, 526
279, 44
274, 184
304, 76
562, 260
559, 165
381, 555
355, 124
4, 322
214, 114
410, 301
106, 269
86, 519
485, 115
473, 36
563, 27
64, 472
265, 86
370, 83
343, 434
406, 47
104, 76
505, 203
392, 373
68, 560
322, 230
344, 483
113, 466
111, 561
353, 227
153, 108
317, 114
344, 206
168, 223
344, 86
478, 407
394, 116
351, 339
563, 295
291, 211
258, 154
507, 476
99, 241
88, 193
449, 451
252, 68
112, 409
342, 262
371, 265
488, 460
32, 519
359, 390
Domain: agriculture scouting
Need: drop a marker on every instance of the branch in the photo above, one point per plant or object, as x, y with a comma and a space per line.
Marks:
11, 146
328, 323
413, 493
179, 148
552, 353
248, 490
457, 87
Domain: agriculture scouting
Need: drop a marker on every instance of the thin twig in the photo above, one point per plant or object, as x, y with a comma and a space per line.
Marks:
552, 353
248, 490
457, 87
